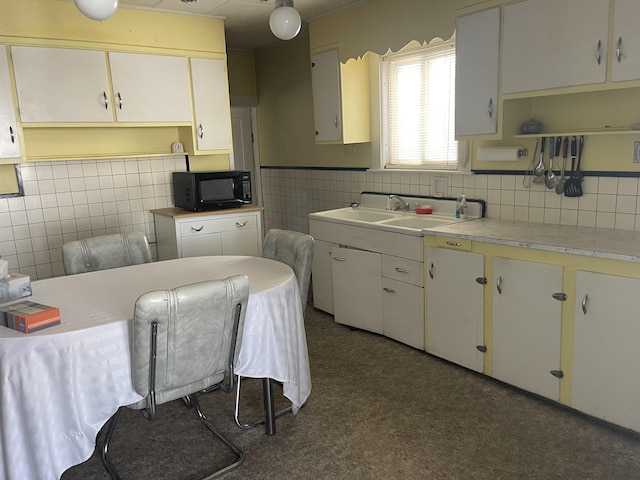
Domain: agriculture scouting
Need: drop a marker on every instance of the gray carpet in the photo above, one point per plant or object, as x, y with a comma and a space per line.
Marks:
378, 410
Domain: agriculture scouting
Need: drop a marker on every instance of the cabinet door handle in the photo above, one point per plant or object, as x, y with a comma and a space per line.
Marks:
599, 52
13, 137
499, 285
389, 290
241, 224
431, 270
335, 121
106, 100
120, 101
197, 229
200, 131
339, 259
454, 244
401, 270
619, 49
585, 300
490, 111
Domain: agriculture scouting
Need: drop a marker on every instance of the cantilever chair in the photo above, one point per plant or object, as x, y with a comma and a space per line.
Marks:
296, 250
104, 252
184, 340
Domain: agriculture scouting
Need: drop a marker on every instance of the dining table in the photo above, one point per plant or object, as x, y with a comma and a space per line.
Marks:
59, 385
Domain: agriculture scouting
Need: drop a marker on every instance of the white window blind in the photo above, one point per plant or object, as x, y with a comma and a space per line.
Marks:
419, 109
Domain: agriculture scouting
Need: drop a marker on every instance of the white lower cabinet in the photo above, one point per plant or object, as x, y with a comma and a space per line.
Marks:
455, 306
527, 325
322, 281
605, 380
357, 282
403, 300
186, 234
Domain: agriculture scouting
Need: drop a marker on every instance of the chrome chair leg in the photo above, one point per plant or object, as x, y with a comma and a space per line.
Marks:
247, 426
111, 427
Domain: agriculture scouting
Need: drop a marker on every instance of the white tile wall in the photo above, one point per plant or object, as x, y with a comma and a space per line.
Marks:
78, 199
291, 194
69, 200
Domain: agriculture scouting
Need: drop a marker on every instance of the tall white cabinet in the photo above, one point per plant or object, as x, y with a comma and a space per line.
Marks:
477, 60
605, 380
9, 140
211, 103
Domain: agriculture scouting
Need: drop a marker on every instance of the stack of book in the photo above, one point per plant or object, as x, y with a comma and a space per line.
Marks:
27, 317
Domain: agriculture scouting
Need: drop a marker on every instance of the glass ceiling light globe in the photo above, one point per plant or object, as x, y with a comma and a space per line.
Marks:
97, 9
285, 22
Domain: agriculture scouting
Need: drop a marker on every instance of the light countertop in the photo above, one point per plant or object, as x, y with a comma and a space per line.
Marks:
174, 212
594, 242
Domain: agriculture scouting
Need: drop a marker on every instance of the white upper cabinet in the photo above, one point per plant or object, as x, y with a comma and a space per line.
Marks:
211, 103
341, 98
61, 85
554, 43
625, 62
327, 111
9, 141
477, 59
150, 88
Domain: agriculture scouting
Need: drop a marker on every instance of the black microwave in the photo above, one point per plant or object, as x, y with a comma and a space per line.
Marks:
198, 191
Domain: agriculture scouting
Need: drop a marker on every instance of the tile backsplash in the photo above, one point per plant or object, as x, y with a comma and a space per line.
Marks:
77, 199
608, 202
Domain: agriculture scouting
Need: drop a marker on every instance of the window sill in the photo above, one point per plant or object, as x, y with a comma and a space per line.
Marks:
418, 170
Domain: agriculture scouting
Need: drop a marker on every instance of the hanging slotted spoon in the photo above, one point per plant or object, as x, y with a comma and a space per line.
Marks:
573, 185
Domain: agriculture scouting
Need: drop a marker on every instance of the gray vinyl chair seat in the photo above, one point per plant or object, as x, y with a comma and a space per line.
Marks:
184, 340
296, 250
104, 252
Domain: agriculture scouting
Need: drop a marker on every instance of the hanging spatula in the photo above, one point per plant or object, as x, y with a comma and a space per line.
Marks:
573, 185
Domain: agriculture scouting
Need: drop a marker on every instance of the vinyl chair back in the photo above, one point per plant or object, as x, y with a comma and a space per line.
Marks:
296, 250
104, 252
184, 341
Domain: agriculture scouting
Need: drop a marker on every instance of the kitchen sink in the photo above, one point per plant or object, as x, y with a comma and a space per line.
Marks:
419, 221
358, 214
390, 220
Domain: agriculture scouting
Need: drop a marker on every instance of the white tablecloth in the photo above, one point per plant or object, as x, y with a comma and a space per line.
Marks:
59, 386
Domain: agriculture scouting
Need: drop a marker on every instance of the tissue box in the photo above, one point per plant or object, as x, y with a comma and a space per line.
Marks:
27, 316
14, 287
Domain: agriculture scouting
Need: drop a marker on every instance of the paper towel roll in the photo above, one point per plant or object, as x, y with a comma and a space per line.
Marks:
4, 269
500, 154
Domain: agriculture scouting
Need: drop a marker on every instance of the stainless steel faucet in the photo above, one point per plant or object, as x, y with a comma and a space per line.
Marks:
403, 204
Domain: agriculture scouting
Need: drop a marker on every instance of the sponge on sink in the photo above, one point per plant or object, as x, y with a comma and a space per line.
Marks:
424, 209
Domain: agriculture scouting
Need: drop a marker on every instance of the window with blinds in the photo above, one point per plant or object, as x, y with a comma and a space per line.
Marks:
418, 100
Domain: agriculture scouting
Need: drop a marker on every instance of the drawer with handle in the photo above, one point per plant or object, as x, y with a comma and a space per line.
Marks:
402, 269
201, 227
453, 243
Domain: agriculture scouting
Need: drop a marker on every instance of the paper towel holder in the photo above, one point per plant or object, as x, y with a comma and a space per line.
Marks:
511, 153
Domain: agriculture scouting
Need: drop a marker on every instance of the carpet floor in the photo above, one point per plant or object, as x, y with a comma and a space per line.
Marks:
378, 410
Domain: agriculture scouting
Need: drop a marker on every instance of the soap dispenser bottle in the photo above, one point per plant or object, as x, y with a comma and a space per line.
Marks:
463, 206
458, 205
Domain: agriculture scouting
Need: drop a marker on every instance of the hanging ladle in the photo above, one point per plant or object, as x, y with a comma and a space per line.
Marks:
539, 170
563, 178
554, 149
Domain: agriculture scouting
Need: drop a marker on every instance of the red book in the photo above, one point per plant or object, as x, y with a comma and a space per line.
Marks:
26, 316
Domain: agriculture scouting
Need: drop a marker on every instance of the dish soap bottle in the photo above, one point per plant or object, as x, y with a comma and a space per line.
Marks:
458, 205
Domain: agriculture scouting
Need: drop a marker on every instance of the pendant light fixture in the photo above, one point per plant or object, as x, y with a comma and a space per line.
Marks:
285, 20
97, 9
